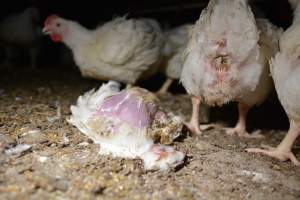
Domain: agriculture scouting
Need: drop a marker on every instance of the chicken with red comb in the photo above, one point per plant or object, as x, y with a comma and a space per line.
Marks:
123, 49
49, 19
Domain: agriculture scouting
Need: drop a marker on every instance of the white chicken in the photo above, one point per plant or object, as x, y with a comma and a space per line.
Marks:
126, 123
227, 60
122, 49
286, 74
175, 43
21, 30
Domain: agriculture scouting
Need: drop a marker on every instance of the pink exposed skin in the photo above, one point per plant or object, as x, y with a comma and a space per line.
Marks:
220, 72
162, 151
160, 115
128, 108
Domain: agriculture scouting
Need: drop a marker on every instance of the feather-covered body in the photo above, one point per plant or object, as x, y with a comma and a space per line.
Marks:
286, 72
127, 123
222, 58
175, 43
121, 50
226, 58
269, 45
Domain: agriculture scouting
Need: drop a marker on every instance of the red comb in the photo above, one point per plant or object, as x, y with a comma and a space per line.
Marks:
50, 18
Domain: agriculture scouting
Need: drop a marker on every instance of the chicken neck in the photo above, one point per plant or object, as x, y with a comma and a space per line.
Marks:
77, 35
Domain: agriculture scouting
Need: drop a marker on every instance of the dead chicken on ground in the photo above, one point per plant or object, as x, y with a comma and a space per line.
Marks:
127, 123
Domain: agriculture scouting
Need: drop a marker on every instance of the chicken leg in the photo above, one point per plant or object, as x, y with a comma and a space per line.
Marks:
128, 86
283, 151
193, 125
164, 88
240, 127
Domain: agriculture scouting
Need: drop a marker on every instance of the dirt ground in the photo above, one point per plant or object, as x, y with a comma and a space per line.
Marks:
61, 163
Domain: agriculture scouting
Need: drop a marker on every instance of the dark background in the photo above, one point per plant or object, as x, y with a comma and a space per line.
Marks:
174, 11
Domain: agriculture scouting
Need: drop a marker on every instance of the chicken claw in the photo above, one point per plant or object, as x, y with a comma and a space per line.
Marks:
193, 127
240, 128
241, 132
277, 153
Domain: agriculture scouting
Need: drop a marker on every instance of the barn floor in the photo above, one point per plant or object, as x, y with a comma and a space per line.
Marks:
61, 163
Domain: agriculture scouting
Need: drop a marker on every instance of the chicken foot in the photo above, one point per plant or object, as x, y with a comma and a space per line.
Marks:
193, 125
283, 151
240, 127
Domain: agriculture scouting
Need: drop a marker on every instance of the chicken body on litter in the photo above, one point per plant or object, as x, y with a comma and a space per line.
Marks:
176, 41
127, 124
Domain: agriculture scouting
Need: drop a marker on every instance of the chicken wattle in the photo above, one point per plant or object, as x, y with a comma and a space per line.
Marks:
128, 124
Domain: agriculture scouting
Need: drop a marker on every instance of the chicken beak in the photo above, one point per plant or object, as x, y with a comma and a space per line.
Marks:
46, 31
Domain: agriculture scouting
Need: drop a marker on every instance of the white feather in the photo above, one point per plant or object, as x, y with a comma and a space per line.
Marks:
175, 44
121, 50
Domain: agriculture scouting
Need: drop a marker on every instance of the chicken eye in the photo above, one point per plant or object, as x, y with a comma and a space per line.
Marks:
58, 25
